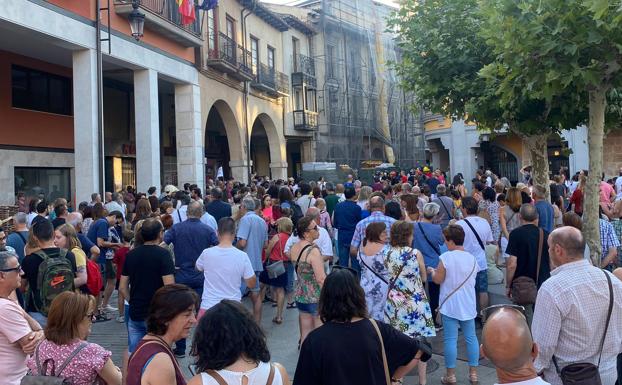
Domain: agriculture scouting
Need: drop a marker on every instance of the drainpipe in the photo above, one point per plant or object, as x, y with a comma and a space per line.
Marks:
100, 104
247, 132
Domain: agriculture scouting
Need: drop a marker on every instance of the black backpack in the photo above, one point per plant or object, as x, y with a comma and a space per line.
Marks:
296, 213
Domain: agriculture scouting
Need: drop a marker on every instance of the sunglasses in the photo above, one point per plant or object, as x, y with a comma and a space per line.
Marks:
17, 268
491, 310
339, 267
90, 316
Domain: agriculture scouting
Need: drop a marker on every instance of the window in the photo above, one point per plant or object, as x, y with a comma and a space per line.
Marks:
330, 61
254, 54
212, 30
230, 28
296, 51
311, 100
271, 58
50, 183
40, 91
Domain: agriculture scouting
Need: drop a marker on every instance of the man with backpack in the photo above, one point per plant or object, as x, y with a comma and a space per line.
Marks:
48, 272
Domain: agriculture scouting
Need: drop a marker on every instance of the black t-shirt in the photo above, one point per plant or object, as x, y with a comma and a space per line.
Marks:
350, 353
523, 244
58, 222
30, 266
145, 266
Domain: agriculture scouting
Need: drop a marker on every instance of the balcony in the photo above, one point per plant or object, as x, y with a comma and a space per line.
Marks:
163, 16
245, 70
305, 120
223, 57
270, 81
304, 72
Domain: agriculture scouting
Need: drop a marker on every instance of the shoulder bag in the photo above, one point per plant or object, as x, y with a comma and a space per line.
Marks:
479, 240
384, 354
454, 291
221, 381
586, 373
54, 378
372, 270
276, 268
524, 289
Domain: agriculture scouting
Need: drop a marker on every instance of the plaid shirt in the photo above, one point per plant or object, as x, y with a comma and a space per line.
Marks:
569, 320
617, 228
375, 216
608, 237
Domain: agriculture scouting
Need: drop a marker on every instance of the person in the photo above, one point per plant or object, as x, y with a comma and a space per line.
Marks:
323, 241
523, 247
275, 252
309, 265
116, 204
570, 304
507, 343
69, 325
231, 348
346, 216
376, 206
456, 274
610, 242
374, 274
409, 205
446, 203
331, 198
545, 209
325, 221
306, 200
363, 197
252, 238
577, 197
60, 212
489, 209
223, 267
32, 210
120, 256
570, 218
266, 209
43, 235
180, 213
332, 354
509, 218
42, 212
407, 307
65, 237
477, 234
147, 268
170, 318
19, 333
143, 211
18, 238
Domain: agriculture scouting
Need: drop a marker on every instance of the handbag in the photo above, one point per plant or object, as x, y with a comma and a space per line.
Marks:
384, 354
438, 309
524, 289
54, 378
276, 268
586, 373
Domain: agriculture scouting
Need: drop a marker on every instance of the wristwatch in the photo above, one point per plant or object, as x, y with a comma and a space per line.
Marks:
397, 380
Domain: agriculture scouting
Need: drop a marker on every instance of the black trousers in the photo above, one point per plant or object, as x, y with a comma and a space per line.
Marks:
434, 291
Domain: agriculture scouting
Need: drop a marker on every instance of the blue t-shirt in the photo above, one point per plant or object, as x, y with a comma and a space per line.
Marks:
546, 216
86, 244
346, 215
99, 229
433, 183
435, 236
255, 231
17, 242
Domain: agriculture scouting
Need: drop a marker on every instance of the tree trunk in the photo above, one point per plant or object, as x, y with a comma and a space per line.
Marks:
596, 127
538, 152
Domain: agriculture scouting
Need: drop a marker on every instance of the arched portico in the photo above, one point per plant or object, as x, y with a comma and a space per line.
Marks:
268, 148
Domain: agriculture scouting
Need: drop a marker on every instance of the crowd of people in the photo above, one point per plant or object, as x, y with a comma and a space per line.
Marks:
375, 269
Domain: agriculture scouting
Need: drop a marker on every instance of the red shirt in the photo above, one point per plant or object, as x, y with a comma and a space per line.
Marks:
119, 259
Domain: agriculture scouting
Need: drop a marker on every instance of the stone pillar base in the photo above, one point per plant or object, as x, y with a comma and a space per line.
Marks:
278, 170
239, 170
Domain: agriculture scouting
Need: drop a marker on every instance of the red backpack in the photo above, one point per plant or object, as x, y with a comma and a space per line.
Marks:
94, 280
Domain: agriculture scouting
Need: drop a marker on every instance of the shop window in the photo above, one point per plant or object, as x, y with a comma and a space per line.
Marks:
43, 182
40, 91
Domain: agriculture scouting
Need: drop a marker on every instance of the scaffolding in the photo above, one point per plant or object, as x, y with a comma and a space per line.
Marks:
367, 117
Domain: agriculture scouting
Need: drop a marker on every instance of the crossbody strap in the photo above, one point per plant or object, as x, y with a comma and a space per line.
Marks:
436, 249
22, 237
540, 242
481, 244
370, 269
602, 340
384, 355
445, 207
71, 357
459, 286
399, 272
217, 377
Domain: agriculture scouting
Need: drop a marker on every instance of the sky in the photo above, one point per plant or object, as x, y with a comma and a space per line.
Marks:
292, 2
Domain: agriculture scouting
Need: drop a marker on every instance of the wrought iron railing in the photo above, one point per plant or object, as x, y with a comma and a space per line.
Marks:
225, 49
169, 10
304, 64
305, 120
245, 61
282, 83
266, 76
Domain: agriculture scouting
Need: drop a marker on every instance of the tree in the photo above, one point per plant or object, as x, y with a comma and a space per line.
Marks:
563, 47
449, 64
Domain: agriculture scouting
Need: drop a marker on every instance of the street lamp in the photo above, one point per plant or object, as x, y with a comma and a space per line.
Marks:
137, 21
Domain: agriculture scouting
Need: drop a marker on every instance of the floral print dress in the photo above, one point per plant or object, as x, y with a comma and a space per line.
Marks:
407, 308
375, 287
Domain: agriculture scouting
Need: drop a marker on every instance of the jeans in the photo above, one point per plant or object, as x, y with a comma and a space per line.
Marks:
450, 341
136, 330
180, 346
345, 259
43, 320
289, 269
434, 291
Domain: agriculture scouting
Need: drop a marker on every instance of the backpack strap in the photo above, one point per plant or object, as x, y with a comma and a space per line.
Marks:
309, 247
271, 375
71, 357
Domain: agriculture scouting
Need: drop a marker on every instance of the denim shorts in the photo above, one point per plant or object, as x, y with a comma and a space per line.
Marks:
481, 282
255, 289
309, 308
136, 330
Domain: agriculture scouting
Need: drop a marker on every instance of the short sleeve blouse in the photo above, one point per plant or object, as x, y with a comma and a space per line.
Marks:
83, 368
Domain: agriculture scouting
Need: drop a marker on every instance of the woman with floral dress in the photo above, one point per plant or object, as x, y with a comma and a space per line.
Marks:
374, 275
407, 308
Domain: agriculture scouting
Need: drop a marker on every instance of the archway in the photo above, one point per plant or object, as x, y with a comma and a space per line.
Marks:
500, 161
222, 140
267, 148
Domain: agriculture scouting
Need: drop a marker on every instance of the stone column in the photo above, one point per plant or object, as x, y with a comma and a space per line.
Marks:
190, 153
239, 170
147, 129
278, 170
85, 128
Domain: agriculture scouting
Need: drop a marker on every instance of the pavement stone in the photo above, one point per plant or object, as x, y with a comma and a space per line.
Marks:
283, 341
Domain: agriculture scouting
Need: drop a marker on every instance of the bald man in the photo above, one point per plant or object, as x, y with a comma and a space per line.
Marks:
507, 343
571, 311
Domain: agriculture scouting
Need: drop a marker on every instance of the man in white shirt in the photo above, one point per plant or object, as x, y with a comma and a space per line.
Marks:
571, 311
507, 343
323, 242
477, 234
619, 185
224, 267
116, 204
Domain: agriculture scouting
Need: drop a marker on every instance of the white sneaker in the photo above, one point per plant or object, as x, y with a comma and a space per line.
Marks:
109, 309
121, 319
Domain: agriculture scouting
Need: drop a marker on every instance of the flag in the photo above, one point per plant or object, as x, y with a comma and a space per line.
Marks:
186, 10
208, 4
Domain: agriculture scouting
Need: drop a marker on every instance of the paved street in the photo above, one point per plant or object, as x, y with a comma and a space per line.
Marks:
282, 342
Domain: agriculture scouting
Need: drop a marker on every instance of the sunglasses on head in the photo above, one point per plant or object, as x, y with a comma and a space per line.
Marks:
491, 310
339, 267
